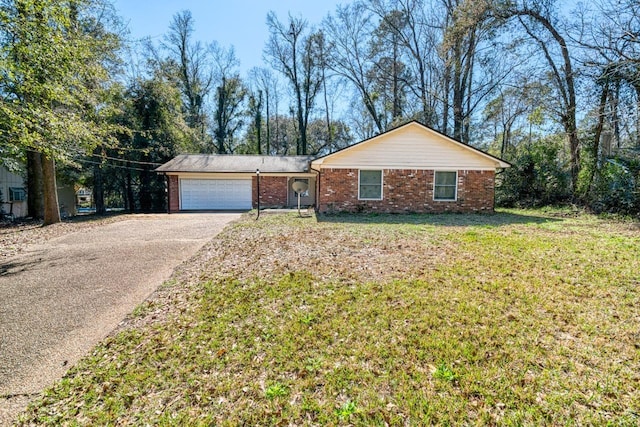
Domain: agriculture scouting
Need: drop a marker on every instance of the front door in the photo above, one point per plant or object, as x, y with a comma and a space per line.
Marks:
308, 198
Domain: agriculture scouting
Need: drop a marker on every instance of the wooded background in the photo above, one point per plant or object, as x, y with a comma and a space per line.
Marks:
554, 91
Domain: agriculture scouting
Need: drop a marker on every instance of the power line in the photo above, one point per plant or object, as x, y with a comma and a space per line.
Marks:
124, 160
112, 166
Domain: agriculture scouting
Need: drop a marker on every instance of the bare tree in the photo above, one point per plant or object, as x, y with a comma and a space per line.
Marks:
611, 41
321, 47
410, 26
390, 70
350, 30
195, 74
290, 51
536, 19
507, 109
267, 83
467, 26
229, 97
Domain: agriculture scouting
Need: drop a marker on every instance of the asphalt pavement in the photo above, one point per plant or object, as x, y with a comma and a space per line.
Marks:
59, 299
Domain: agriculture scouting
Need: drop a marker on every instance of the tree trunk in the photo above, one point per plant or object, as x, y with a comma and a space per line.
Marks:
146, 202
220, 132
564, 79
98, 189
132, 205
51, 207
35, 195
458, 97
574, 148
258, 120
637, 88
615, 105
597, 137
268, 147
301, 146
397, 104
326, 110
446, 94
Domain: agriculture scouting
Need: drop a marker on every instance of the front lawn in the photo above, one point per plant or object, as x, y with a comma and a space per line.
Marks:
518, 318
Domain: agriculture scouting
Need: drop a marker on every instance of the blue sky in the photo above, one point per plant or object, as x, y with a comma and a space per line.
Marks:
241, 23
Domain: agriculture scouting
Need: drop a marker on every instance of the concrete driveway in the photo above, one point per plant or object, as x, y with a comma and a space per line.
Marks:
59, 299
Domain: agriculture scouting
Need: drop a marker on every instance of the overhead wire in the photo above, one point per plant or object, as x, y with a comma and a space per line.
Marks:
125, 160
112, 165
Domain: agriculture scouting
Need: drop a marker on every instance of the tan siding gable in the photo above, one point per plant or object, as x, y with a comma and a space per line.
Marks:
410, 147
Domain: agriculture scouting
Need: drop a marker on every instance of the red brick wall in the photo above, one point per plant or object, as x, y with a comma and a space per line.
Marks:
273, 192
173, 194
405, 191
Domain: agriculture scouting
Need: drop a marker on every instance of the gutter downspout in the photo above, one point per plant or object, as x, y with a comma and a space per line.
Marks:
317, 186
167, 189
258, 190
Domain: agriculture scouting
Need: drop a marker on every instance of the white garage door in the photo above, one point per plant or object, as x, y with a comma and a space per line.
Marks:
205, 194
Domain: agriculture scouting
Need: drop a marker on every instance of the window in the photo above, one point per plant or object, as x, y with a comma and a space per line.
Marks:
17, 194
370, 187
445, 186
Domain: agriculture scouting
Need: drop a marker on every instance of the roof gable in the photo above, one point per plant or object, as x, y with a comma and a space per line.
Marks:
411, 146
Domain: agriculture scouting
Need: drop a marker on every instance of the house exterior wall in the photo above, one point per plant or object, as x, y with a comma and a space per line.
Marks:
405, 191
273, 191
173, 193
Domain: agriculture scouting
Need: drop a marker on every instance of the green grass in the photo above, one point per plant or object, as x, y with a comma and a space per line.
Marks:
519, 318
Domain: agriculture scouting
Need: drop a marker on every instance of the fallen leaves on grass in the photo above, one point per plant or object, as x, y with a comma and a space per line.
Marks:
509, 320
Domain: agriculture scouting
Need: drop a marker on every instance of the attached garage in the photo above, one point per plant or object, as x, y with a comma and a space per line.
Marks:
215, 194
210, 182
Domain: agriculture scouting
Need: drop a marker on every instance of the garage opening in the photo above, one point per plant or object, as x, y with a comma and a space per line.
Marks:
215, 194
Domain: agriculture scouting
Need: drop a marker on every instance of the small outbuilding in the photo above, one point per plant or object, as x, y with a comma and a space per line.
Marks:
13, 194
412, 168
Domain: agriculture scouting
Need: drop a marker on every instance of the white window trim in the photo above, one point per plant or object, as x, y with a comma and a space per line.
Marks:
381, 183
20, 192
455, 198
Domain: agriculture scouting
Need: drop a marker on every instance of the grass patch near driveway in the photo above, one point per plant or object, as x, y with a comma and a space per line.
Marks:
518, 318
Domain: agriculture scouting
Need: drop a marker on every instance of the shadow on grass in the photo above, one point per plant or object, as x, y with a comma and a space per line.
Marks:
497, 219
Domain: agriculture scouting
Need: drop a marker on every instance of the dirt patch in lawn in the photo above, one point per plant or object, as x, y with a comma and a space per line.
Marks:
282, 244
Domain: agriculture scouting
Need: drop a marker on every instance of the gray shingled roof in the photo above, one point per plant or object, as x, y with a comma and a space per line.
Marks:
236, 163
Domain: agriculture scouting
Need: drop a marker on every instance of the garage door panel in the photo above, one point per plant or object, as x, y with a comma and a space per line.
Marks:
212, 194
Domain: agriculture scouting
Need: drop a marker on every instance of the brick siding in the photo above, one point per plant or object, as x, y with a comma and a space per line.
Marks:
273, 192
405, 191
174, 194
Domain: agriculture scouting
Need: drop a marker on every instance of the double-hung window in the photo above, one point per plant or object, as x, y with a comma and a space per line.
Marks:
445, 186
370, 185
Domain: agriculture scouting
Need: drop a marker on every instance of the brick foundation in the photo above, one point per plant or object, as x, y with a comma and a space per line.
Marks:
273, 192
405, 191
